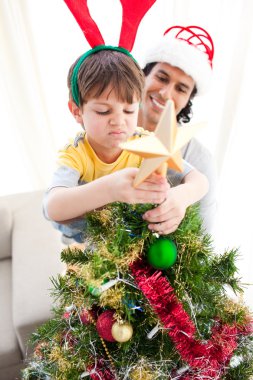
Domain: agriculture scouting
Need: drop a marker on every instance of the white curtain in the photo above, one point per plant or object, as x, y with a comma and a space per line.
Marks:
39, 40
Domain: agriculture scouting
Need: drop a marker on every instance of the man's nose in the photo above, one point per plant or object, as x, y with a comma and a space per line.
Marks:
166, 92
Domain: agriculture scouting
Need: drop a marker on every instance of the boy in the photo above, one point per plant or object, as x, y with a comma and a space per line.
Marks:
105, 91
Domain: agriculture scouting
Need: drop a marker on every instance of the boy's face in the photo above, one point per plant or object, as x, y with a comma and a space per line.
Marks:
108, 122
164, 82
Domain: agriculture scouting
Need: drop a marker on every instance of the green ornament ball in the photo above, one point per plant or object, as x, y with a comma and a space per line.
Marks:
162, 254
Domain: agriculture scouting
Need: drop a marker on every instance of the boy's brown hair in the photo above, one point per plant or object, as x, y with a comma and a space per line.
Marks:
108, 67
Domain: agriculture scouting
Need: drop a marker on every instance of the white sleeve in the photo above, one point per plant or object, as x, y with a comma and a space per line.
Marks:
64, 176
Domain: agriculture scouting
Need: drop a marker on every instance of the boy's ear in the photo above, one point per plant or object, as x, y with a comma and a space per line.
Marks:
76, 111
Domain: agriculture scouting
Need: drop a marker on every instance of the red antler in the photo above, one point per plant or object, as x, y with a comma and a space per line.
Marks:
82, 15
133, 12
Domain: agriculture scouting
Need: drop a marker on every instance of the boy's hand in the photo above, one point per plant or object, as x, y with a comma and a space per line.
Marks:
166, 217
152, 190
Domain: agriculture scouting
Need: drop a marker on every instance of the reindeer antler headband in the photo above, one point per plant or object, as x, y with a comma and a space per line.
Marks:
133, 12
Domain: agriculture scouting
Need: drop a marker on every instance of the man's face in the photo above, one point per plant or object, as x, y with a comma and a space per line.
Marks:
164, 82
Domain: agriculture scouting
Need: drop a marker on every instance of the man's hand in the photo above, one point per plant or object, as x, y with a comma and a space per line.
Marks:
166, 217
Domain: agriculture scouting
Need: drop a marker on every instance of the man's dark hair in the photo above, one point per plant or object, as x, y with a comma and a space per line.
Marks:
186, 113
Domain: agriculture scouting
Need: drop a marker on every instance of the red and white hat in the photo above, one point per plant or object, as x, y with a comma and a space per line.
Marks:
189, 48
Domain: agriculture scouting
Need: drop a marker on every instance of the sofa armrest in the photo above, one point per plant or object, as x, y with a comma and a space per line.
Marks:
36, 251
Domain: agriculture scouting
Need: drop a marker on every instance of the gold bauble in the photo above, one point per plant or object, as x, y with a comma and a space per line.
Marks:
122, 332
142, 374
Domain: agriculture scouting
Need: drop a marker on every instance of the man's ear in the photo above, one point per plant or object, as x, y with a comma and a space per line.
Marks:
76, 111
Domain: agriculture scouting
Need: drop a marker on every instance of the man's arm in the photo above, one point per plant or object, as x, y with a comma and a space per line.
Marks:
199, 156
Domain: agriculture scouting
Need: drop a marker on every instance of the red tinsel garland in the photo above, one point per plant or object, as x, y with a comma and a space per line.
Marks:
206, 358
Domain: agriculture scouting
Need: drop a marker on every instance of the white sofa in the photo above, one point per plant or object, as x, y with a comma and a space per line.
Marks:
29, 255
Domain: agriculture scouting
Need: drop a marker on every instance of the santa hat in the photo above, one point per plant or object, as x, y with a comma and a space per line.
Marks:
189, 48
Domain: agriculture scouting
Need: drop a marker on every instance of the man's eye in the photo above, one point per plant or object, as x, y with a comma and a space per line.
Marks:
182, 89
162, 79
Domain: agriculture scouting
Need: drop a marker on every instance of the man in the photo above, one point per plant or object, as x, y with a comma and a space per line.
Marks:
179, 67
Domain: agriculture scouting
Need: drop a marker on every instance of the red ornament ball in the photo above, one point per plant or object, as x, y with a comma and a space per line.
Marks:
66, 315
85, 316
104, 325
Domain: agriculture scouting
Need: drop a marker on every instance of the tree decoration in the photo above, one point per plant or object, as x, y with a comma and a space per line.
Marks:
66, 315
68, 341
161, 149
104, 325
85, 316
94, 290
207, 358
122, 332
187, 328
162, 254
99, 371
40, 349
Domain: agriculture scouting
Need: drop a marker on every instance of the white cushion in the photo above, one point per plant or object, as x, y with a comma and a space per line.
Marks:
36, 249
5, 230
9, 348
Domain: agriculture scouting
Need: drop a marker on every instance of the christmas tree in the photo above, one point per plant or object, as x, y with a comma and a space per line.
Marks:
135, 305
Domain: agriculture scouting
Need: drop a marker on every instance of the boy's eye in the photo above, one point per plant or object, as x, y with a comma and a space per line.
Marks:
103, 112
129, 111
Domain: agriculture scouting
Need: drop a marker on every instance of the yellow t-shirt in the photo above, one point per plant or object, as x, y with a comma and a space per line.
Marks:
79, 164
80, 156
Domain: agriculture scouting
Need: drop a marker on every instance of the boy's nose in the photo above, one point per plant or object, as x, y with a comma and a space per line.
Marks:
116, 120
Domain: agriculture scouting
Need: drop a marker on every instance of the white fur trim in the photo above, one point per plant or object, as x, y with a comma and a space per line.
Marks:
187, 57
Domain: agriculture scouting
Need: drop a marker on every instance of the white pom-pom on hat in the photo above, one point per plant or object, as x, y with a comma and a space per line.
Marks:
190, 49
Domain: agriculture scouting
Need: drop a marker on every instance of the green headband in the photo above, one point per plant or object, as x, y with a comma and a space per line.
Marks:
74, 85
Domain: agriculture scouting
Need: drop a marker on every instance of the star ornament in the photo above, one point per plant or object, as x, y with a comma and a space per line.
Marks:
161, 149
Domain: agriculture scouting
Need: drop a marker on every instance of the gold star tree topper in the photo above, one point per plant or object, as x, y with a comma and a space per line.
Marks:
161, 149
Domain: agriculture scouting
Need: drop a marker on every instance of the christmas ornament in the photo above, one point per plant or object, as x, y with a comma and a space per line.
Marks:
86, 315
106, 284
66, 315
143, 371
162, 254
104, 325
122, 332
99, 371
161, 149
142, 374
94, 290
68, 340
40, 349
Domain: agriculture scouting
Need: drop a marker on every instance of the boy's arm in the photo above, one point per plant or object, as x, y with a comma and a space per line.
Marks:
66, 203
167, 216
